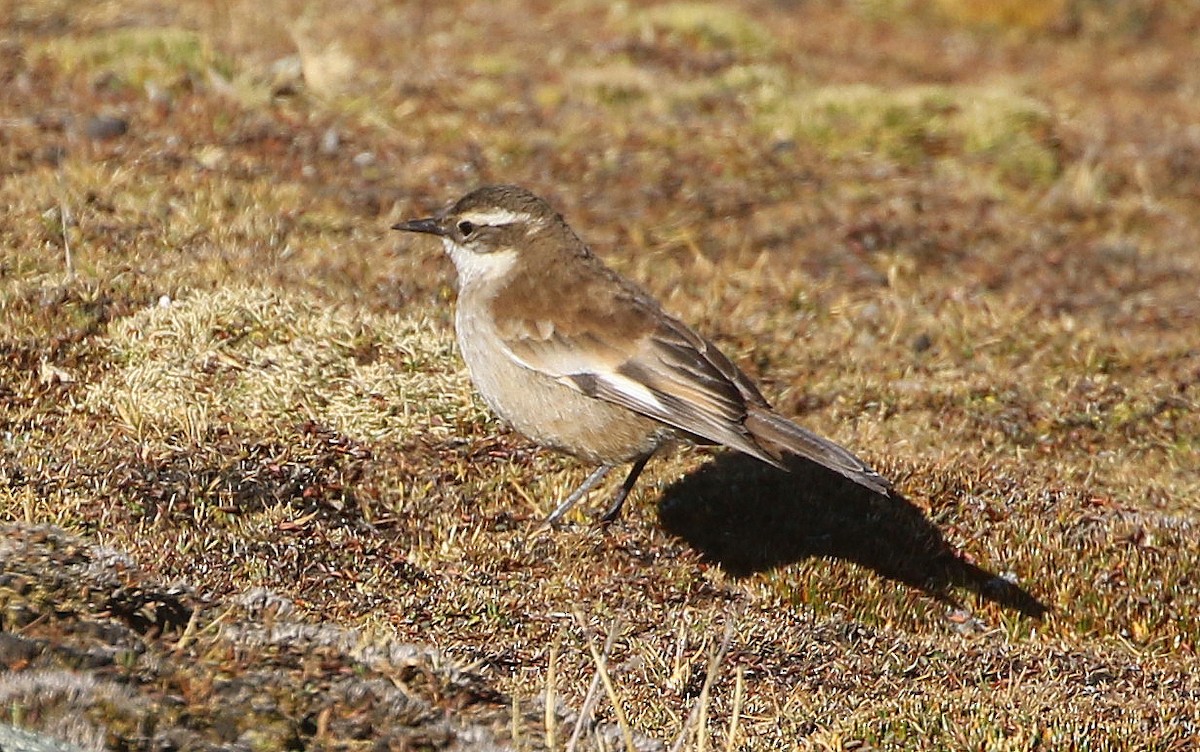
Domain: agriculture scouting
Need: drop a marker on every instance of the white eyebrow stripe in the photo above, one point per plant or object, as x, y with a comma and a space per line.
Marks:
495, 217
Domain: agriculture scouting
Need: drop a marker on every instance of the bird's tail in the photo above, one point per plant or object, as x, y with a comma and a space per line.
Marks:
780, 437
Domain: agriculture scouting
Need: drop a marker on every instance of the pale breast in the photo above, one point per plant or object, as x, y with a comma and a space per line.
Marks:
551, 414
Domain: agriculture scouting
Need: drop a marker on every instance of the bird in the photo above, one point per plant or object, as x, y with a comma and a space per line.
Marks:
584, 361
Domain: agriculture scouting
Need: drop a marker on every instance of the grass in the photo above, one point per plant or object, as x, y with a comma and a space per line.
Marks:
990, 130
134, 56
962, 244
239, 358
708, 25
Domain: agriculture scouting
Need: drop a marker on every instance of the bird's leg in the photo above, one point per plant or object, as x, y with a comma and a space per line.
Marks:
614, 509
596, 476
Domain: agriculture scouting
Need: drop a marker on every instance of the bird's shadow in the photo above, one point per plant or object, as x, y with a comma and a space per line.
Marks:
749, 518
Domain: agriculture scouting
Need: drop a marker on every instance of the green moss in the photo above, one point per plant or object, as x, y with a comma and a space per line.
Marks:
138, 55
993, 130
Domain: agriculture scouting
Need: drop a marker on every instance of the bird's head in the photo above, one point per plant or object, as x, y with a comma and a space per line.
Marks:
487, 230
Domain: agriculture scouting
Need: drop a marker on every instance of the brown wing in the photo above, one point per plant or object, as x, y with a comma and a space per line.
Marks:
664, 371
571, 318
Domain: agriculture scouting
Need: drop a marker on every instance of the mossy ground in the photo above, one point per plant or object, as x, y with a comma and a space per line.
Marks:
960, 238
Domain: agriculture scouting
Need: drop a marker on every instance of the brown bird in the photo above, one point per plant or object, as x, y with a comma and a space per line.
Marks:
582, 360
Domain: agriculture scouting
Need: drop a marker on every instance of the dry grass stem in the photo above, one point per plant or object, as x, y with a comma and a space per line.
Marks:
698, 715
589, 701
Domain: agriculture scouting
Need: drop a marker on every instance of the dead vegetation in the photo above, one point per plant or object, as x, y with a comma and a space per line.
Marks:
958, 237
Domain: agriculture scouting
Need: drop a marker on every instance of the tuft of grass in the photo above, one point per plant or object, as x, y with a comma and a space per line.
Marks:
242, 357
992, 129
709, 25
138, 55
326, 67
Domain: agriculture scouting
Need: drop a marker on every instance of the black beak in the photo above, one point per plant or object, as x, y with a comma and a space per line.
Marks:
429, 225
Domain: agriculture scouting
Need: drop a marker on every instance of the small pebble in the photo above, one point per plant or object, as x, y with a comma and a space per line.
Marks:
105, 127
330, 141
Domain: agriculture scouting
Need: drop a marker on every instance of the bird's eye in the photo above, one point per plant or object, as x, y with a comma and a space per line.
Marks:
466, 228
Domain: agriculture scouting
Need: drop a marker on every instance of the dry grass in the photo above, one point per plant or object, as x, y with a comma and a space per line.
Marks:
238, 359
959, 240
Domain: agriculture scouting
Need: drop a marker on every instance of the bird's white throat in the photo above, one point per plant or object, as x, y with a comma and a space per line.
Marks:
474, 268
